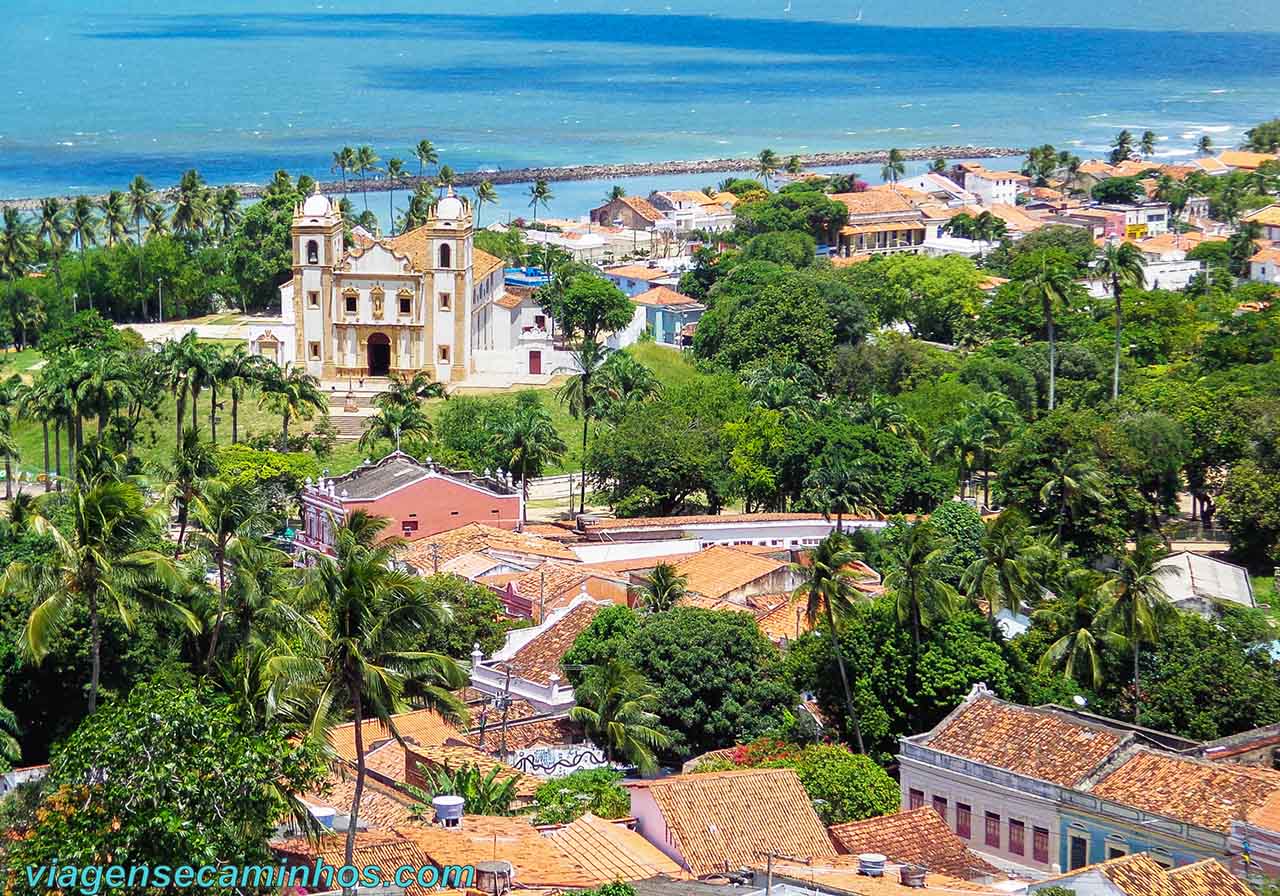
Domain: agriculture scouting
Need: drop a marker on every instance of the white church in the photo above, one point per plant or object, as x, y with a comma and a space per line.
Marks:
424, 300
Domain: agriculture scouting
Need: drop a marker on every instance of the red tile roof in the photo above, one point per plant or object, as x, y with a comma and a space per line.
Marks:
918, 837
611, 851
538, 660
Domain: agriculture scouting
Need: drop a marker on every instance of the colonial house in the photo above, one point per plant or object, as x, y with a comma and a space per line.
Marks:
991, 187
1264, 265
665, 314
734, 575
634, 279
417, 499
940, 188
533, 593
1144, 875
1268, 218
1201, 584
684, 211
631, 212
881, 221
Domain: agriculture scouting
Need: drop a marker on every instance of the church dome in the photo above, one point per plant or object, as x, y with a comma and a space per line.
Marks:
317, 206
450, 208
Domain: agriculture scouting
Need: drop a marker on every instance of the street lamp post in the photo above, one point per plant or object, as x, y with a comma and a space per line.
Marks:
160, 298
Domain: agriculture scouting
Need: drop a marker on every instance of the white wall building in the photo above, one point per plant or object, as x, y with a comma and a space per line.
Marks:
992, 187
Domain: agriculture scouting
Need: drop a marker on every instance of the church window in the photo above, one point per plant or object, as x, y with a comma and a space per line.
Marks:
406, 305
445, 255
444, 354
445, 301
313, 252
314, 351
313, 299
351, 300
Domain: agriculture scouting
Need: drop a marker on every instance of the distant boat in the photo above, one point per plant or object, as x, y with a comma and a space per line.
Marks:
787, 8
859, 18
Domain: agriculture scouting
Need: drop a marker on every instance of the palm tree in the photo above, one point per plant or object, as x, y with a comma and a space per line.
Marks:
115, 218
794, 165
1051, 285
1147, 144
53, 228
157, 221
36, 403
93, 565
395, 173
240, 371
10, 452
410, 391
1139, 603
991, 419
917, 558
482, 794
1070, 485
579, 393
395, 423
178, 366
426, 155
615, 704
83, 224
10, 752
192, 464
366, 163
1204, 145
344, 160
827, 585
767, 165
140, 200
358, 652
485, 193
624, 382
838, 486
616, 192
1121, 264
999, 576
190, 204
956, 440
292, 394
526, 444
894, 167
226, 211
11, 394
539, 194
938, 166
1121, 147
1076, 619
662, 588
445, 178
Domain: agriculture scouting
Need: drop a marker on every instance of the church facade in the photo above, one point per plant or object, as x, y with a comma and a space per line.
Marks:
426, 299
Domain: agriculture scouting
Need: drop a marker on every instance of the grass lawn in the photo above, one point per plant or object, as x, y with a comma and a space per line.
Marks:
18, 362
672, 367
1264, 592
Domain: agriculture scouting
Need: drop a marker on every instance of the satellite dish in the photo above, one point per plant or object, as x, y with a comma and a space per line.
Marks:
1079, 701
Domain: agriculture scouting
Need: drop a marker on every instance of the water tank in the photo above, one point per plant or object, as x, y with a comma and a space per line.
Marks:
912, 876
448, 810
494, 878
324, 815
871, 864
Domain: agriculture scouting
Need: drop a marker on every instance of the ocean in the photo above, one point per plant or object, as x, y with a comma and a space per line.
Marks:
97, 92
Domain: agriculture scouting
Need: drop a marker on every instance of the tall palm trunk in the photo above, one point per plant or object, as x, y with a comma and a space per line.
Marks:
180, 398
1137, 691
1053, 352
84, 273
284, 430
358, 713
213, 413
142, 290
235, 414
195, 410
844, 680
1115, 373
586, 418
95, 630
44, 426
57, 449
8, 480
222, 608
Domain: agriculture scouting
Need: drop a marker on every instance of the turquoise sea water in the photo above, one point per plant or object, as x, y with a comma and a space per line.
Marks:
96, 92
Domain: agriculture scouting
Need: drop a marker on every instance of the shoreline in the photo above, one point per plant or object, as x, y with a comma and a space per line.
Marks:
555, 174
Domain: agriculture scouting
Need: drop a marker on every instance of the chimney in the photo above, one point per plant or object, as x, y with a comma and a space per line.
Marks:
555, 686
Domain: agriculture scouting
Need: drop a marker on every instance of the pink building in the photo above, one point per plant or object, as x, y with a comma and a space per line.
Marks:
416, 499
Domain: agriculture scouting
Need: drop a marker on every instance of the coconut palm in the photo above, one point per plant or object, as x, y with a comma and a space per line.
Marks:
485, 193
956, 440
580, 393
894, 167
426, 155
240, 371
36, 403
624, 382
794, 165
178, 366
881, 412
1051, 286
991, 420
1138, 603
839, 486
525, 444
83, 223
767, 165
115, 218
1147, 144
291, 394
1000, 576
395, 423
157, 221
94, 565
1076, 618
403, 390
226, 211
662, 588
1204, 145
1121, 265
917, 559
344, 160
10, 752
616, 192
190, 204
445, 179
615, 704
54, 230
358, 650
140, 200
192, 464
1121, 147
10, 453
366, 163
1070, 485
539, 195
395, 174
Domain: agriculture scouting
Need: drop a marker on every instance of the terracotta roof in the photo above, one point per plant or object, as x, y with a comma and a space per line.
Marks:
509, 300
1210, 795
385, 849
1239, 158
847, 261
556, 583
676, 522
918, 837
722, 821
521, 735
726, 198
458, 754
1269, 215
716, 571
1271, 253
1038, 743
1209, 164
424, 726
783, 618
380, 806
611, 851
1267, 815
874, 202
642, 207
472, 564
637, 272
636, 564
538, 660
662, 295
538, 861
1140, 875
483, 264
841, 875
552, 531
416, 244
479, 537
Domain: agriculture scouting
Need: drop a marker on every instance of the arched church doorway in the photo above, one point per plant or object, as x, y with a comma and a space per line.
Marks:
379, 348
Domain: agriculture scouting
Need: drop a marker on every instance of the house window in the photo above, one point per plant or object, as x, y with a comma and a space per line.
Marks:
314, 351
408, 526
446, 255
1079, 856
940, 806
915, 799
313, 299
1162, 858
1116, 848
1017, 837
351, 303
313, 252
445, 302
992, 838
963, 827
1040, 845
443, 354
